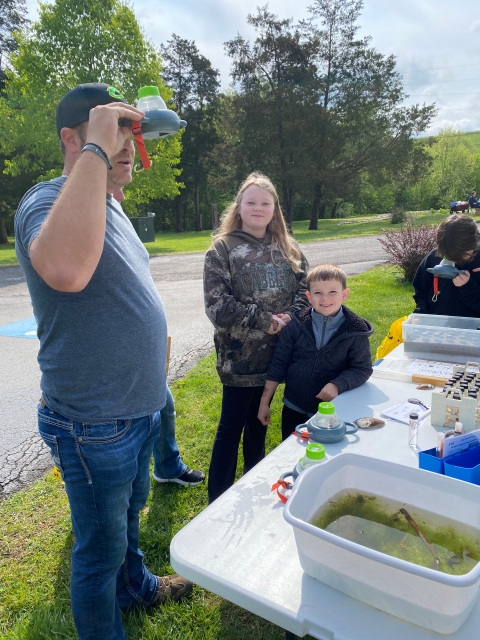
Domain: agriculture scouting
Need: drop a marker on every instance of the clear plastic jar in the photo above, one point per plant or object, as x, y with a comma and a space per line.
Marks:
326, 416
314, 454
149, 99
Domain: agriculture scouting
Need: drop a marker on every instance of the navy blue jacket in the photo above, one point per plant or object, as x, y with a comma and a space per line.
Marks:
345, 360
451, 300
473, 202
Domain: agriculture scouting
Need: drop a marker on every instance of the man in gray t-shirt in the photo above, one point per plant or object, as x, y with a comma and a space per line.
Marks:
102, 332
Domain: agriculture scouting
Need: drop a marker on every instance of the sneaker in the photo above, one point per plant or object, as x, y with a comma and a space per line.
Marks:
171, 587
189, 478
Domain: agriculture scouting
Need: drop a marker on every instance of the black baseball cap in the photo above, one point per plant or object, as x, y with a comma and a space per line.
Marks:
74, 107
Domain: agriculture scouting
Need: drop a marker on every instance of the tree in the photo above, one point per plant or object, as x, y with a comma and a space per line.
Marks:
362, 125
451, 175
277, 87
195, 87
12, 18
76, 41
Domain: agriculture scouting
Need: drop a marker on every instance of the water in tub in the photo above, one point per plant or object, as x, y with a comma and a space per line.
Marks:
401, 530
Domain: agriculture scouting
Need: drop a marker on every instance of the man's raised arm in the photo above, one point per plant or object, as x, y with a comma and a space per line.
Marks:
69, 245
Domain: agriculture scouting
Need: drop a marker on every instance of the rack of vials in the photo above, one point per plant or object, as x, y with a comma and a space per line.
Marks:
459, 400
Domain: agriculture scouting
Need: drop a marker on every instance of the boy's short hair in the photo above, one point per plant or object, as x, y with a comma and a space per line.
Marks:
327, 272
457, 235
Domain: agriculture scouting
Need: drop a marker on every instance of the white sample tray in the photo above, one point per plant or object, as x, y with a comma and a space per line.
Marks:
446, 335
427, 597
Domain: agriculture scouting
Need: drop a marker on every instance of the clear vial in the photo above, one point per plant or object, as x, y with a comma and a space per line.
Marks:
413, 431
440, 442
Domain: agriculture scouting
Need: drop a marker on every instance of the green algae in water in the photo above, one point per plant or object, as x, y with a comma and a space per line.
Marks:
376, 522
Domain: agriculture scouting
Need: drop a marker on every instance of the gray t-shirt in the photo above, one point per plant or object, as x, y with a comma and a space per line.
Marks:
102, 350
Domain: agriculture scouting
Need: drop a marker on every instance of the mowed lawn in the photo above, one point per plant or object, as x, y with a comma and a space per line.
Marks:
192, 241
35, 531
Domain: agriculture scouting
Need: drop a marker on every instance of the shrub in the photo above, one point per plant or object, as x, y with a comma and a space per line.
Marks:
398, 216
346, 210
408, 246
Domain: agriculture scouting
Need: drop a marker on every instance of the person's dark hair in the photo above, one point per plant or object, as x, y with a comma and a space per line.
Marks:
456, 236
82, 132
327, 272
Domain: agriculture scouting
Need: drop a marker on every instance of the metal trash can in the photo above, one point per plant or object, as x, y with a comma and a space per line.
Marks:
144, 226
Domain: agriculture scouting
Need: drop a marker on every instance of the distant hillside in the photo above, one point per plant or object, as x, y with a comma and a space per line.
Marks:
472, 140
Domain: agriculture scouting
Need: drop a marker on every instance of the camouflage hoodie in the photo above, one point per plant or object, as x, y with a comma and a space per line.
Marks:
243, 287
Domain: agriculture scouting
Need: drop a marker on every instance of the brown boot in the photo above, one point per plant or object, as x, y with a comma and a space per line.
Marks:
173, 587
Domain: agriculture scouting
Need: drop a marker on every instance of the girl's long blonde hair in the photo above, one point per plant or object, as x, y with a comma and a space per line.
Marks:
277, 228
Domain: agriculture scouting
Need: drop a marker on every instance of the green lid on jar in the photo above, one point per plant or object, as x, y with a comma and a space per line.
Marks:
326, 408
148, 91
315, 451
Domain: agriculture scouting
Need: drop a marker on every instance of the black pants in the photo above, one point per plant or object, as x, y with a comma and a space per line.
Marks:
290, 420
239, 413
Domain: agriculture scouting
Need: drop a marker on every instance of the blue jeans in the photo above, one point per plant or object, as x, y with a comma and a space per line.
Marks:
106, 473
167, 461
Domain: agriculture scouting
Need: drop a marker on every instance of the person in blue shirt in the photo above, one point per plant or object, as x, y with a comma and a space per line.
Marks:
473, 202
168, 464
103, 342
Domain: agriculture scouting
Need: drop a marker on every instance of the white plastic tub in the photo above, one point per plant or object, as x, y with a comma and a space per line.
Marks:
431, 334
426, 597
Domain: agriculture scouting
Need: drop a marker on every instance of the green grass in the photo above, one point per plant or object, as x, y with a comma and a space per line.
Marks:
380, 296
35, 531
191, 241
186, 242
472, 140
334, 229
7, 253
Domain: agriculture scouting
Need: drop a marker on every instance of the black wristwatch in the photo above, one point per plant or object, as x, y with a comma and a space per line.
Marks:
96, 148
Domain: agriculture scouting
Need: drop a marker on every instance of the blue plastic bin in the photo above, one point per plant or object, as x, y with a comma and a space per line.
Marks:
464, 466
428, 460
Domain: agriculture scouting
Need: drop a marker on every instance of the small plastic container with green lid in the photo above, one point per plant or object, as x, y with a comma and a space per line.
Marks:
314, 454
326, 416
149, 99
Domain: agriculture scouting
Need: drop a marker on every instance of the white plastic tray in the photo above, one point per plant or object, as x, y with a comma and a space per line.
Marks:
432, 599
446, 335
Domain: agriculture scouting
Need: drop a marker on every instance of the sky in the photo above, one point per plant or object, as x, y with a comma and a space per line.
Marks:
436, 42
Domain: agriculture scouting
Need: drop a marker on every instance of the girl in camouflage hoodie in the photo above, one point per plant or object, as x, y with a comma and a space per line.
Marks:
254, 279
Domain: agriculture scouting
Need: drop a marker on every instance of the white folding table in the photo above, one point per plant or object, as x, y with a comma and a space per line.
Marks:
242, 549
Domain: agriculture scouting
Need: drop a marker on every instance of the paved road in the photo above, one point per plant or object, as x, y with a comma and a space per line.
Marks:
179, 281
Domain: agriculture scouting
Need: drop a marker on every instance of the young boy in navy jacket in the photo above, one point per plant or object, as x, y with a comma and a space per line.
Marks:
321, 353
